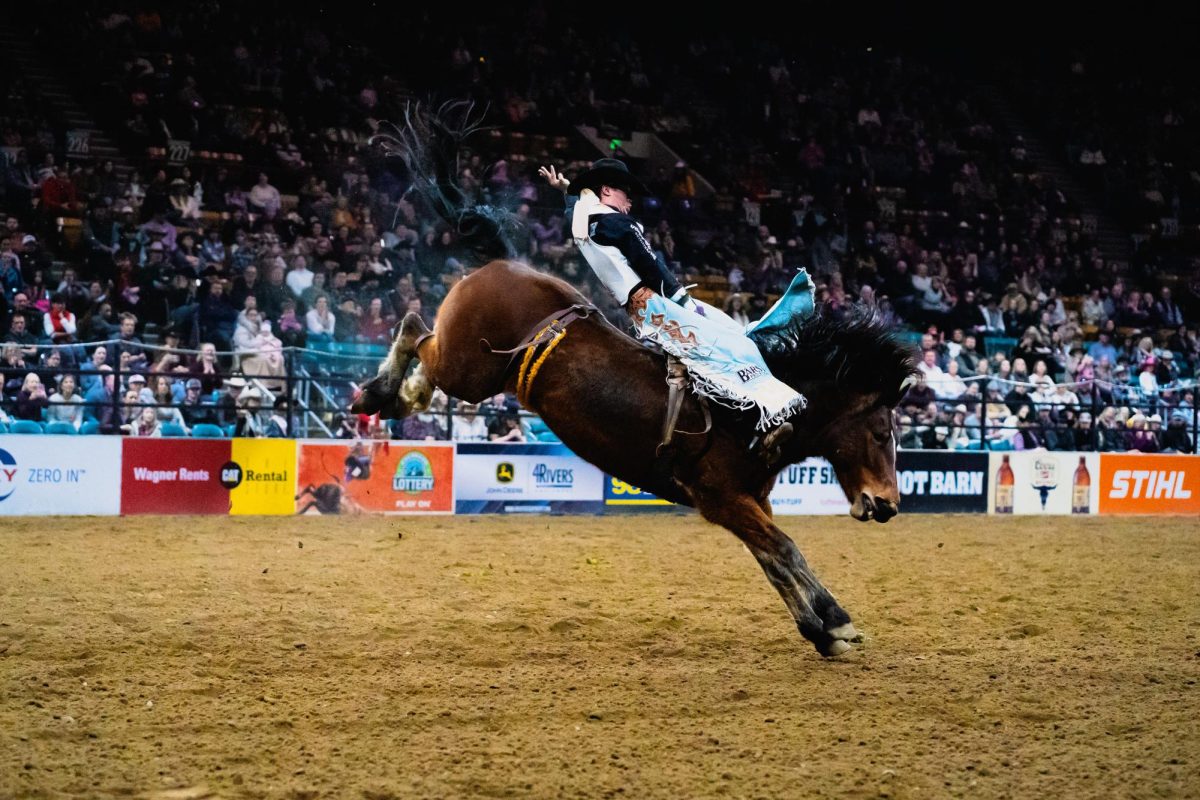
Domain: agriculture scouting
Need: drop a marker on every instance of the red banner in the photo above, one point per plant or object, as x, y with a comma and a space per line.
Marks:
170, 476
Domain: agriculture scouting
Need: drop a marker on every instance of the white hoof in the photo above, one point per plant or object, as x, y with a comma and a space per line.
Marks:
846, 632
838, 647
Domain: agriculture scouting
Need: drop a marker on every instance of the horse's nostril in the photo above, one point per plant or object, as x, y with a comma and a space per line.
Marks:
885, 509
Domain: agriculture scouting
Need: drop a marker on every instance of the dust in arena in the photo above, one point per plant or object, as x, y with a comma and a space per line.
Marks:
575, 657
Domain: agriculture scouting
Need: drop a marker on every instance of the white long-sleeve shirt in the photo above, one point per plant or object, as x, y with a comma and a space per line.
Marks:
67, 319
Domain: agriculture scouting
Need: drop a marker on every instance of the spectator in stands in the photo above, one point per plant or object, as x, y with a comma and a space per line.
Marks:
31, 400
1082, 434
192, 408
278, 425
11, 280
143, 422
18, 335
60, 197
248, 424
1141, 437
90, 369
264, 198
128, 345
320, 321
217, 315
375, 327
212, 250
99, 402
272, 293
227, 403
164, 399
300, 277
1176, 438
468, 425
65, 404
259, 351
1052, 436
1029, 435
1111, 432
184, 205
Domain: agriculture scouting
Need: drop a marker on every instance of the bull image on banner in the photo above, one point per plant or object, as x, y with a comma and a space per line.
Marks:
375, 477
1043, 482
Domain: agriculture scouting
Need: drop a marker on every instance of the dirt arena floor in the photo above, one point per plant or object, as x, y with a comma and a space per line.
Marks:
594, 657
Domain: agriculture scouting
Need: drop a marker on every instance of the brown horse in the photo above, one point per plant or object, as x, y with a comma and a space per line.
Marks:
604, 395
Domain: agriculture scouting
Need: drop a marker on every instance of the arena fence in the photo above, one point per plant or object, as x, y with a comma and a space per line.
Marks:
98, 475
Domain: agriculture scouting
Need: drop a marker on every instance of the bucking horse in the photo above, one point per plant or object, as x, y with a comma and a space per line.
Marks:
507, 327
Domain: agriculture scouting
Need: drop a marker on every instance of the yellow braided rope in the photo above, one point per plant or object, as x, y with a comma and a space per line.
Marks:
525, 366
523, 397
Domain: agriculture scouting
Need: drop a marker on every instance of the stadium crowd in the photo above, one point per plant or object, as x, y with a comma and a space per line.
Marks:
169, 299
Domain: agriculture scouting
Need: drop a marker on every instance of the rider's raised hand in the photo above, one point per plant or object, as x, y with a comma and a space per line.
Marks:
554, 178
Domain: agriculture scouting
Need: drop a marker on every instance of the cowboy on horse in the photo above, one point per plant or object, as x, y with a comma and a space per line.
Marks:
726, 366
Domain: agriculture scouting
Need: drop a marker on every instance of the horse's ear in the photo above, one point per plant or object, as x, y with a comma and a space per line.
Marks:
894, 399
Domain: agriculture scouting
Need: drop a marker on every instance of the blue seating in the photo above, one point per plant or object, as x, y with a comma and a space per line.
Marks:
173, 429
90, 428
998, 344
25, 426
60, 428
3, 428
204, 430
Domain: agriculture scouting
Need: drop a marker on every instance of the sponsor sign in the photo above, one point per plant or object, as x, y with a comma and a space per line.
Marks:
45, 475
174, 476
1043, 482
261, 476
942, 481
497, 478
620, 494
375, 477
810, 487
1149, 484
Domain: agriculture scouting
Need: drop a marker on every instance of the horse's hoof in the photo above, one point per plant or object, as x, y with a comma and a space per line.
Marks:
846, 633
836, 648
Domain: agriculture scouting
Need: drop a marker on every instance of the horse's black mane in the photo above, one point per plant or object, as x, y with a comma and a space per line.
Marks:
856, 351
429, 142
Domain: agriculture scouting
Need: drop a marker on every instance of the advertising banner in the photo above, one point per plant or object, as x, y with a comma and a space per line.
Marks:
810, 487
507, 478
375, 477
1043, 482
1132, 483
622, 496
174, 476
946, 482
60, 475
261, 476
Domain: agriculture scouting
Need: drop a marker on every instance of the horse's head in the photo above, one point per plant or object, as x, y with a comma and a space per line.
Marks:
854, 373
857, 436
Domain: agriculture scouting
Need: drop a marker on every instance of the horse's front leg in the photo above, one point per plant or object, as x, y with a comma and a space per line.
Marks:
817, 614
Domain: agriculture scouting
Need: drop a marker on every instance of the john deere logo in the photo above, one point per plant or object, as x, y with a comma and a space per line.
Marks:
505, 472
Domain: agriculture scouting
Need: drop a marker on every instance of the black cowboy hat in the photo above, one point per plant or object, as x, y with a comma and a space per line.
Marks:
607, 172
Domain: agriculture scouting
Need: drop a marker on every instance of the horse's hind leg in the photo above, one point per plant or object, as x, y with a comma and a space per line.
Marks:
389, 394
818, 616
